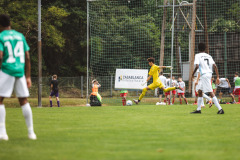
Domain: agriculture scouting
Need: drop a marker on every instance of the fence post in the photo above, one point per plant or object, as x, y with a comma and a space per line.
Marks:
81, 86
225, 54
111, 85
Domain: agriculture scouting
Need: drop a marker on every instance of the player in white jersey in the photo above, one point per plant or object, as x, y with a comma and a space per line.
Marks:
225, 87
160, 91
196, 88
204, 63
174, 84
181, 93
167, 94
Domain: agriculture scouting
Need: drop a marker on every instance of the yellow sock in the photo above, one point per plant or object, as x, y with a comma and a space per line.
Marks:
169, 89
143, 94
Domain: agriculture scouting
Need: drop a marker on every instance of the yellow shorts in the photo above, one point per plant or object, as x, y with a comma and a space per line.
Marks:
155, 85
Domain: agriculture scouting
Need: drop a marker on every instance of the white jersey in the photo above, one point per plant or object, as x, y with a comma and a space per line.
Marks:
223, 83
181, 85
205, 62
163, 79
174, 83
167, 83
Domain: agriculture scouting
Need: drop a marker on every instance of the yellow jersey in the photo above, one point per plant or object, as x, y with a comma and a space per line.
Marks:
154, 72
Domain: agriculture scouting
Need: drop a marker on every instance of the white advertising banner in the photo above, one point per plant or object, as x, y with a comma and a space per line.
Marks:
130, 78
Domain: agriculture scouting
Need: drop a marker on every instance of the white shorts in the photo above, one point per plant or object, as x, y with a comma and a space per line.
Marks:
9, 83
198, 86
205, 83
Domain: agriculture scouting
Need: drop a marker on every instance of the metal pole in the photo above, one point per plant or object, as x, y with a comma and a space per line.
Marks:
87, 47
81, 86
111, 84
225, 54
172, 50
39, 56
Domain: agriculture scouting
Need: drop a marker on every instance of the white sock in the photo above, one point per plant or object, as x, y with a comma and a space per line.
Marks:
27, 113
202, 103
200, 99
2, 120
216, 103
205, 96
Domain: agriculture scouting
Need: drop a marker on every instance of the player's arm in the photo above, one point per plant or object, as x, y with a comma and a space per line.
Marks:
149, 77
216, 70
198, 77
1, 57
99, 85
196, 68
28, 69
51, 86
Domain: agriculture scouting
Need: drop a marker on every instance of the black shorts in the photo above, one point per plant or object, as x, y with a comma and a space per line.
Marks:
160, 91
226, 90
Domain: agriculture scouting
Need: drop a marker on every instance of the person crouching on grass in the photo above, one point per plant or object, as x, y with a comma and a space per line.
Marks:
154, 73
54, 90
123, 94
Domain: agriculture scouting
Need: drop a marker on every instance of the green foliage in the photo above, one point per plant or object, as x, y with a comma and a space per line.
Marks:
222, 25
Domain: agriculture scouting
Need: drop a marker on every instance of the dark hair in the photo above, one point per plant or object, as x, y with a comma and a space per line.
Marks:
151, 59
201, 47
4, 20
179, 77
161, 73
236, 73
54, 76
168, 76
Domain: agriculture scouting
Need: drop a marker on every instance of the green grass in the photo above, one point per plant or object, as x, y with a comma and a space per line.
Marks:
143, 132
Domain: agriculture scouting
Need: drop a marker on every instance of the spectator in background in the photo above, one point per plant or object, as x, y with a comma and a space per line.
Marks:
54, 90
174, 84
95, 97
160, 91
181, 93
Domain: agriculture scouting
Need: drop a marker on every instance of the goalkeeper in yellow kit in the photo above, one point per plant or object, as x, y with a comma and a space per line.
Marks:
154, 72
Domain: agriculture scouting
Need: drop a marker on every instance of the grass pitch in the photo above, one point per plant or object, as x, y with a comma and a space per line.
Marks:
142, 132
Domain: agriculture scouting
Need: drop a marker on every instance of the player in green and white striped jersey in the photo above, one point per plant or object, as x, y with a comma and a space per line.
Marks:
14, 58
237, 86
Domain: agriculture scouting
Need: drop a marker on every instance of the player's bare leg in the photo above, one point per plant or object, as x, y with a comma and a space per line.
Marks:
142, 95
27, 113
165, 98
180, 99
215, 101
209, 100
185, 99
58, 101
173, 99
124, 100
233, 98
220, 95
50, 100
160, 98
3, 132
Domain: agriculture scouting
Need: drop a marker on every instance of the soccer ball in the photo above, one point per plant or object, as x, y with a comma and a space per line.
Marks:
88, 105
129, 103
161, 103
